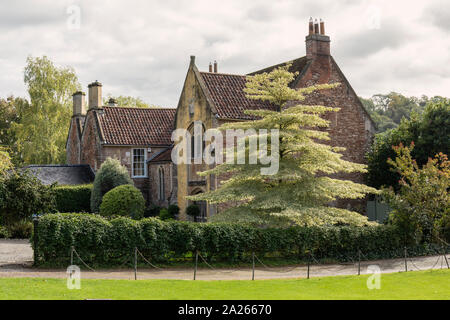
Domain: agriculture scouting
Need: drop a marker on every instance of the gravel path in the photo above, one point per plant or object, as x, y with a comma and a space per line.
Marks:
16, 258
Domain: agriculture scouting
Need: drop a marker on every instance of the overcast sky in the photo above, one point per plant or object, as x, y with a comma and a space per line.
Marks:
142, 48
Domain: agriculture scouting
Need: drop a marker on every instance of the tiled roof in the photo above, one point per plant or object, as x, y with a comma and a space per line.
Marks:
62, 174
227, 93
228, 96
137, 126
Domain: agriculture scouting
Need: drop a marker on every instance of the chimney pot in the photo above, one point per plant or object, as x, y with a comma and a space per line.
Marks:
192, 60
79, 103
210, 67
95, 95
215, 66
316, 27
311, 26
322, 27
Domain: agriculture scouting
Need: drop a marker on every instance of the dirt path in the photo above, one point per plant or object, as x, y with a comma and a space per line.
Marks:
16, 258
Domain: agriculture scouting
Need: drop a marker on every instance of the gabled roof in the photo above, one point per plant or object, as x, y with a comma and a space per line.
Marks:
227, 90
62, 174
136, 126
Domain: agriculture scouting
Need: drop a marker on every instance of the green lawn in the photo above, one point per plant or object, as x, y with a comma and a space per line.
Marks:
412, 285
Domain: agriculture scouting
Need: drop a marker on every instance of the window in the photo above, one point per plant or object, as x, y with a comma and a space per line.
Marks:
139, 167
161, 184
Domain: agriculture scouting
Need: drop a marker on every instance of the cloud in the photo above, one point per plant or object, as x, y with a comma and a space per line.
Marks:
439, 15
142, 48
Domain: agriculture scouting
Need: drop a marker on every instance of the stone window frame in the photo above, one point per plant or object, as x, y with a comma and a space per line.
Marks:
161, 184
144, 163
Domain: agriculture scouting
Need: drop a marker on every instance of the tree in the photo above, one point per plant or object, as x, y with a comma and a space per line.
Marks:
110, 175
42, 132
422, 205
300, 191
128, 101
5, 161
430, 131
11, 110
22, 195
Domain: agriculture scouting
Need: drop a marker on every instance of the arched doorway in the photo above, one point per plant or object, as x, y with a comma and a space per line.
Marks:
202, 206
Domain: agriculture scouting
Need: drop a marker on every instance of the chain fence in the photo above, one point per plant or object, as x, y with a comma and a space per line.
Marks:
257, 264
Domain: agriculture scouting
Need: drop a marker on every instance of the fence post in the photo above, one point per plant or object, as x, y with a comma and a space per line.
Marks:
359, 262
135, 263
196, 261
445, 256
309, 261
406, 262
71, 255
35, 240
253, 266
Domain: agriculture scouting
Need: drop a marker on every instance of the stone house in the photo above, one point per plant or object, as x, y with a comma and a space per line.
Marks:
213, 98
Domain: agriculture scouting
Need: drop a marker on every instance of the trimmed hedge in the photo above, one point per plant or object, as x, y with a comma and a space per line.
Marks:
75, 198
99, 241
124, 200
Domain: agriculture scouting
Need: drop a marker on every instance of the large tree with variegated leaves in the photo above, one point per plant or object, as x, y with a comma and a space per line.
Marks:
301, 190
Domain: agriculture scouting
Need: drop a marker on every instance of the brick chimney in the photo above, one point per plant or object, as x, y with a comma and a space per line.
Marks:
79, 104
95, 95
215, 66
317, 43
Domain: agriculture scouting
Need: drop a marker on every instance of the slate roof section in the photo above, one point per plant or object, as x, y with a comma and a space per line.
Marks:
162, 156
136, 126
63, 174
226, 90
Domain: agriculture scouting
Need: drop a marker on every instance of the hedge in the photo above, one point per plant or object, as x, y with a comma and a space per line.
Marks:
75, 198
110, 242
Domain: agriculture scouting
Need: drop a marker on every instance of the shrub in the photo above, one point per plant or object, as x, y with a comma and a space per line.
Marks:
21, 230
165, 215
152, 211
173, 210
123, 200
4, 233
22, 195
100, 241
110, 175
73, 198
193, 210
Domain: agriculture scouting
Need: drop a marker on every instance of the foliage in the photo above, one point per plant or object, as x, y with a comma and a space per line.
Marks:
110, 175
22, 195
5, 161
128, 101
299, 193
193, 210
173, 210
423, 202
4, 233
165, 215
21, 230
124, 200
42, 131
103, 241
74, 198
152, 211
388, 110
429, 131
11, 110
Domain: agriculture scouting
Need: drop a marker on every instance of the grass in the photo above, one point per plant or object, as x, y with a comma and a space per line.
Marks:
433, 284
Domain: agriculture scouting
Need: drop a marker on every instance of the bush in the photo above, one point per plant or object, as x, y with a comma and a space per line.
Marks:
152, 211
193, 210
110, 175
21, 230
165, 215
123, 200
4, 233
73, 198
99, 241
22, 195
173, 210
